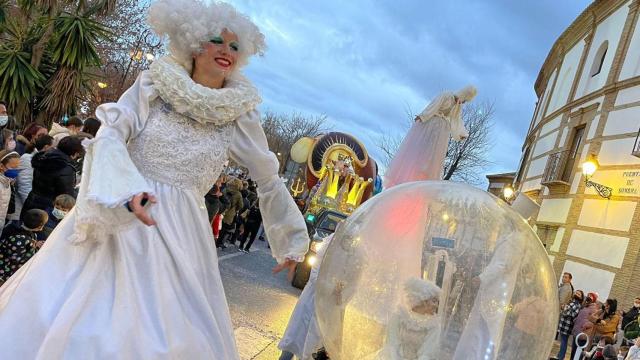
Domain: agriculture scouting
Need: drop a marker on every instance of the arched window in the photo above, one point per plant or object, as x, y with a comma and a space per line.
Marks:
598, 60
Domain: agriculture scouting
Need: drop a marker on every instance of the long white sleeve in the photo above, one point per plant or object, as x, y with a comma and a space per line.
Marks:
283, 222
109, 177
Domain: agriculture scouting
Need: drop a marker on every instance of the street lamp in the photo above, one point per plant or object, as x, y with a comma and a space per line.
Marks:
589, 167
508, 193
143, 48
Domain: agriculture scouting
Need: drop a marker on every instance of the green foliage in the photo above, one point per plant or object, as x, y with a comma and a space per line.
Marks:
47, 52
19, 81
74, 44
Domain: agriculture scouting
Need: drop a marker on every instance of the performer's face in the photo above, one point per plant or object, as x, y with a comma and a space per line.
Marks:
427, 307
219, 56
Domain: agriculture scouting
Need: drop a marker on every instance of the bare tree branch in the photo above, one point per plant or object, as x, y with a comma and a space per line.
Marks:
283, 131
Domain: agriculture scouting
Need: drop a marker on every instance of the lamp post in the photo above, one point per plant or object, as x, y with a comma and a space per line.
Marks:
508, 193
589, 167
143, 49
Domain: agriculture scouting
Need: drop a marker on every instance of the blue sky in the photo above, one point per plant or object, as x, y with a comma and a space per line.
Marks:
363, 63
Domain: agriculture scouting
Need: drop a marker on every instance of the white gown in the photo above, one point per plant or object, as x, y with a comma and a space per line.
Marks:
302, 336
105, 286
428, 138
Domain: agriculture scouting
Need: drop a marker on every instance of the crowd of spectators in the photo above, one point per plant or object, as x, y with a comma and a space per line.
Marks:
40, 171
234, 212
611, 334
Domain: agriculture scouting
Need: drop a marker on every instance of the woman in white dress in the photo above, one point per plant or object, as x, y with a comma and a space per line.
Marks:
145, 284
422, 151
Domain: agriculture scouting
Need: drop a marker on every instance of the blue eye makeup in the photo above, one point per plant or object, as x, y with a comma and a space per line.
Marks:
217, 40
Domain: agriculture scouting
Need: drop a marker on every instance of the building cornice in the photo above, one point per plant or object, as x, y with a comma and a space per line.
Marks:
580, 28
611, 88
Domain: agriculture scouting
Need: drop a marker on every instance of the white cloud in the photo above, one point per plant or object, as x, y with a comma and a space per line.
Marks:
364, 62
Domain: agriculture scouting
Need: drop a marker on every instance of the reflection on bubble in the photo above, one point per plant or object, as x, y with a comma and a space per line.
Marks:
498, 298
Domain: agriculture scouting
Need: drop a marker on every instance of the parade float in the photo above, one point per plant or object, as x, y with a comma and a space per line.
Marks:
339, 176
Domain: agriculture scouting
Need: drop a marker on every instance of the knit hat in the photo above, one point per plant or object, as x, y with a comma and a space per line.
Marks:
610, 352
593, 297
419, 290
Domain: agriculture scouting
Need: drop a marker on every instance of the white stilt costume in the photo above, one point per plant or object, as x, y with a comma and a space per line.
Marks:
106, 286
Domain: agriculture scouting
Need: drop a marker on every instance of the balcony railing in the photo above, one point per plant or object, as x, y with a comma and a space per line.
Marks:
636, 146
554, 172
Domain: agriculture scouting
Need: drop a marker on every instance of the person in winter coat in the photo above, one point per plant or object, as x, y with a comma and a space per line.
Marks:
607, 320
25, 175
9, 162
214, 200
582, 323
7, 125
251, 225
235, 204
68, 127
19, 243
221, 203
631, 314
567, 319
54, 173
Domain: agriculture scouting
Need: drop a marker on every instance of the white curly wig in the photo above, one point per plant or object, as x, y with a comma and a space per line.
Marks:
467, 93
189, 23
418, 290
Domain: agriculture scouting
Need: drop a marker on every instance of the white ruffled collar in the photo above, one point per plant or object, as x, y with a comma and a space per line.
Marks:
205, 105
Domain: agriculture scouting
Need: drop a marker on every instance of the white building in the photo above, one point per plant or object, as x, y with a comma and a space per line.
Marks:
589, 105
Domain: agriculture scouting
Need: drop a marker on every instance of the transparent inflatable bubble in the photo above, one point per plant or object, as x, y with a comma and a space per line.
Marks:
498, 295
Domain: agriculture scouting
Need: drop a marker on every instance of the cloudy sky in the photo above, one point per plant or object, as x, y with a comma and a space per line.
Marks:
363, 63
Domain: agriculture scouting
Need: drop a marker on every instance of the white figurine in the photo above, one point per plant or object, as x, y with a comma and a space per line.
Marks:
413, 332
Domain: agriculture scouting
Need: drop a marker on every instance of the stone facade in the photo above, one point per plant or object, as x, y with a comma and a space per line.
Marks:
589, 104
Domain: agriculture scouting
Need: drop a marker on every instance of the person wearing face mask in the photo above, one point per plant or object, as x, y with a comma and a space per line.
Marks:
67, 127
19, 242
61, 207
9, 161
54, 173
567, 319
7, 124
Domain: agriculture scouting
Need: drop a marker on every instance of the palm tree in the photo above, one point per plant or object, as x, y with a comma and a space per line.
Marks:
47, 49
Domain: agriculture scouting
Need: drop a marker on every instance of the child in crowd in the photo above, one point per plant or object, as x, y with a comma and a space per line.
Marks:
19, 243
596, 351
9, 162
61, 206
634, 351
